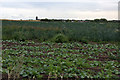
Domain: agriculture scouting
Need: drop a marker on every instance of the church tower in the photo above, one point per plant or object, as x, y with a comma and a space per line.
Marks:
36, 17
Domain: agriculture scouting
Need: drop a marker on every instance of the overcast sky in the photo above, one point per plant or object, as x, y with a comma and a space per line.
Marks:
59, 9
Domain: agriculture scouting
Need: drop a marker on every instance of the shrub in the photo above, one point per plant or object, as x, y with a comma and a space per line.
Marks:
84, 40
60, 38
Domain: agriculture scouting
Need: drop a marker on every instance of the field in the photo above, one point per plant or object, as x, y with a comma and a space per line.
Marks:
75, 31
35, 60
60, 50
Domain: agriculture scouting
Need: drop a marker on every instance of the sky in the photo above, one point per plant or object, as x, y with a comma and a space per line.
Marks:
59, 9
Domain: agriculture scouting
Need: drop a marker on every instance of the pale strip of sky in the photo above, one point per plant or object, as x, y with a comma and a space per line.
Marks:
66, 9
58, 0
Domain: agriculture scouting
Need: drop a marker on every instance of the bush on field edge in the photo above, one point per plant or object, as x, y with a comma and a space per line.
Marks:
60, 38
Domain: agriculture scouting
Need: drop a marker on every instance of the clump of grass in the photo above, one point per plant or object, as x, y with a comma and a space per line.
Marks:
15, 68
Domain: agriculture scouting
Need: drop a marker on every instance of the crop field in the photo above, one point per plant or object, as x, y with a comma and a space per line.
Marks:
35, 60
75, 31
60, 50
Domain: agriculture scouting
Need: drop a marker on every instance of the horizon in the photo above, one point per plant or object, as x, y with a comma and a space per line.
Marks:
60, 19
82, 10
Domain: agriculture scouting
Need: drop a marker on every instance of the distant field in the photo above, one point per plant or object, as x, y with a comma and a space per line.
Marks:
75, 31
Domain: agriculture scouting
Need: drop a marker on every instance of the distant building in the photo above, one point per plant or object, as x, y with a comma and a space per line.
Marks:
37, 18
